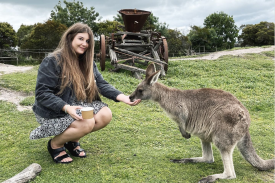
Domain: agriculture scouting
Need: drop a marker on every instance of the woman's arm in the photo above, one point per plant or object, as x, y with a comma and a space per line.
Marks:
104, 87
47, 85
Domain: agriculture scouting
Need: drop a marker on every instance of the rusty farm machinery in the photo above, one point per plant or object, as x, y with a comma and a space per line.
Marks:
134, 46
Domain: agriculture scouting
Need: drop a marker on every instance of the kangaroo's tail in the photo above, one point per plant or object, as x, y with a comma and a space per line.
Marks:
250, 155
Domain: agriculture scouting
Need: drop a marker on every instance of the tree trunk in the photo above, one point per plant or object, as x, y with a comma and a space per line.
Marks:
26, 175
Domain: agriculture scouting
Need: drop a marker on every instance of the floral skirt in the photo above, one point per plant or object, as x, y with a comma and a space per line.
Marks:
53, 127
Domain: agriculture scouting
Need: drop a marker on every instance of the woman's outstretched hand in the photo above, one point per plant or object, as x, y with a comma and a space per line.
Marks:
71, 110
126, 100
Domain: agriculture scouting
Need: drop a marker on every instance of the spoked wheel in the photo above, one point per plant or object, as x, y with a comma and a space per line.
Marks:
164, 52
102, 52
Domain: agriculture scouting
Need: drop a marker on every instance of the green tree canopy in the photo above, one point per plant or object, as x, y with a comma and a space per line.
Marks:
258, 34
8, 36
177, 42
203, 37
225, 28
74, 12
44, 36
23, 32
106, 27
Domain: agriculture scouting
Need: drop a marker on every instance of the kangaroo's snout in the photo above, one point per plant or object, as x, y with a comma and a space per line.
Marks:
131, 98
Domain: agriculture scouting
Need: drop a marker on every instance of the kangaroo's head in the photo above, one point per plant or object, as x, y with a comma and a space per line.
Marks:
144, 89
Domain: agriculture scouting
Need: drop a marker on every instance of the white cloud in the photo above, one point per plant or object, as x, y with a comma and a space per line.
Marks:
179, 14
19, 14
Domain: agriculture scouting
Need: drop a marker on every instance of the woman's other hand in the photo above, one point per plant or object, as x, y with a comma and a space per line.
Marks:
71, 110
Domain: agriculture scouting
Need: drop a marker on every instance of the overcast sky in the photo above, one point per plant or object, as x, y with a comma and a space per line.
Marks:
180, 14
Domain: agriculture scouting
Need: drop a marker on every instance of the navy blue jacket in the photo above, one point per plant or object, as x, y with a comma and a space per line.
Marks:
47, 103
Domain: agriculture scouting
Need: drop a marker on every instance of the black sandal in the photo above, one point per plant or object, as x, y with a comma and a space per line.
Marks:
55, 152
71, 148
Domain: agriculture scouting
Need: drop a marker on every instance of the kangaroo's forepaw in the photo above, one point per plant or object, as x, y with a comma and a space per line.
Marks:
187, 136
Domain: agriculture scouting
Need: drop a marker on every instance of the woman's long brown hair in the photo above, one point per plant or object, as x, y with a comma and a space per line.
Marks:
77, 71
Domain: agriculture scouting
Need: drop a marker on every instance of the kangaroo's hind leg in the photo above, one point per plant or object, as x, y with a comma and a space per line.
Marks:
229, 171
207, 155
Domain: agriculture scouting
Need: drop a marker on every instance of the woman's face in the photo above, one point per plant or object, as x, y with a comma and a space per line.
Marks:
80, 43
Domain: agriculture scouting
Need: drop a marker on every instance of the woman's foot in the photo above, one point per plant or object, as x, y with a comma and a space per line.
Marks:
75, 150
58, 154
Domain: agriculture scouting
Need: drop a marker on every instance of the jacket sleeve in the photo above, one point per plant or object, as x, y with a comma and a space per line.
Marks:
47, 85
104, 87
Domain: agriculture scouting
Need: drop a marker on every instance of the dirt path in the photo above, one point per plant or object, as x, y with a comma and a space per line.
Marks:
218, 54
16, 97
6, 69
10, 95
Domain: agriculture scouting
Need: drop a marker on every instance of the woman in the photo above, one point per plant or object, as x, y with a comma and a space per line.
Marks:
68, 80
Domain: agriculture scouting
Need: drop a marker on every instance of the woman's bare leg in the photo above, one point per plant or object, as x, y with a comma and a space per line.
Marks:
79, 129
74, 132
102, 118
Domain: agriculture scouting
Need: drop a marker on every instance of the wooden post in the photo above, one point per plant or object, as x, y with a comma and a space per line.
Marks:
26, 175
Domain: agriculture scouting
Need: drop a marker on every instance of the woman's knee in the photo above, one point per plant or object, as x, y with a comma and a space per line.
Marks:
104, 116
85, 126
88, 125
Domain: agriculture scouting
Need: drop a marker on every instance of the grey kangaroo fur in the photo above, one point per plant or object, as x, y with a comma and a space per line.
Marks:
215, 116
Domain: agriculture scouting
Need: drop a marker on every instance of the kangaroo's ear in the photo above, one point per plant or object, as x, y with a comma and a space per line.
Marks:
153, 78
151, 69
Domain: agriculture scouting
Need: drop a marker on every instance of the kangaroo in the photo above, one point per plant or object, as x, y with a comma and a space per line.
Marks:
215, 116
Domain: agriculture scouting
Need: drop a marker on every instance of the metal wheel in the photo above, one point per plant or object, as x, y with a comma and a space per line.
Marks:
164, 52
102, 52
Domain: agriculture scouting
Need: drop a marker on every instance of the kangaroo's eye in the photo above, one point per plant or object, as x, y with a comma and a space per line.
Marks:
140, 90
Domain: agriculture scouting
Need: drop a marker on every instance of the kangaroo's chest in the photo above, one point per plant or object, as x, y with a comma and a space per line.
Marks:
178, 112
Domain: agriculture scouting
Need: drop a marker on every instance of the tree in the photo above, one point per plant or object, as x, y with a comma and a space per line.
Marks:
225, 28
258, 34
44, 36
8, 36
177, 42
202, 36
106, 27
23, 32
75, 12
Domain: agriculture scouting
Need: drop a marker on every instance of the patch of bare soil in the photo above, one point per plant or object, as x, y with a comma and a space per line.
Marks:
216, 55
6, 68
14, 97
10, 95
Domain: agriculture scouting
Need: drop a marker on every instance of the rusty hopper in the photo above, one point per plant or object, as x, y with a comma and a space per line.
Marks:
134, 19
134, 47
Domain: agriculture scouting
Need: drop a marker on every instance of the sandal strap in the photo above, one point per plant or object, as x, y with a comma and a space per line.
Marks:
78, 151
60, 158
75, 144
56, 152
71, 146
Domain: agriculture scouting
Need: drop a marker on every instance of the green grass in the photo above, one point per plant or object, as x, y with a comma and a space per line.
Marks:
139, 142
